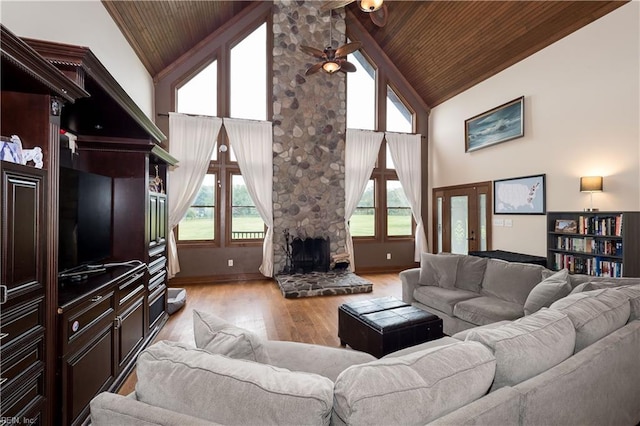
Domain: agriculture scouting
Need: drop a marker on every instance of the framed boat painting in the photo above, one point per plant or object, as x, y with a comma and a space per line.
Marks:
500, 124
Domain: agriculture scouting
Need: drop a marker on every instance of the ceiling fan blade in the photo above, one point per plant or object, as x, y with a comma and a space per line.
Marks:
343, 51
379, 17
313, 52
347, 67
334, 4
314, 68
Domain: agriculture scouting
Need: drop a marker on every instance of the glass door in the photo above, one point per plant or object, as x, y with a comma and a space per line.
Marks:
461, 218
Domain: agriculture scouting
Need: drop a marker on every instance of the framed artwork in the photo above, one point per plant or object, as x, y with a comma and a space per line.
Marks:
497, 125
522, 195
566, 226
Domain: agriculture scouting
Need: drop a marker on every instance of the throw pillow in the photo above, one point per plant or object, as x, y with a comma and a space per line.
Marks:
548, 291
528, 346
594, 314
413, 389
438, 270
471, 272
230, 391
217, 336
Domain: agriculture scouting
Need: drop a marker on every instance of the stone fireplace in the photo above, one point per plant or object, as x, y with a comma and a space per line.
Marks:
309, 114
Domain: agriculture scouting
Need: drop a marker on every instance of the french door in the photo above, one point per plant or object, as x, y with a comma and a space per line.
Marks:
462, 218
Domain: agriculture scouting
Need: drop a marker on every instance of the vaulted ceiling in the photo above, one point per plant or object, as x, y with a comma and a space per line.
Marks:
441, 47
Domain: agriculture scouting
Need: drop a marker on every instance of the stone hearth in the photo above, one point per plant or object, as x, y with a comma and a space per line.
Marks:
322, 284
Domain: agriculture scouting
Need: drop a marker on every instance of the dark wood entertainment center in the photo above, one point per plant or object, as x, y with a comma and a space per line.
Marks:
64, 342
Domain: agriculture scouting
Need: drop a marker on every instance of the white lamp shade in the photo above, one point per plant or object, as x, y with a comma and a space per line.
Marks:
370, 5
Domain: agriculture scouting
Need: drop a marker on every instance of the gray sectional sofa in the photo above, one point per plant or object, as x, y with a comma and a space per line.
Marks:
574, 363
468, 291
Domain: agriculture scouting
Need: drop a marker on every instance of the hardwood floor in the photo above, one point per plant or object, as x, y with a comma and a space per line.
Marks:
259, 306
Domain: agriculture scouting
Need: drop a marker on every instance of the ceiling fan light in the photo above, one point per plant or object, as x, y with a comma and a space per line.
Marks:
370, 5
331, 67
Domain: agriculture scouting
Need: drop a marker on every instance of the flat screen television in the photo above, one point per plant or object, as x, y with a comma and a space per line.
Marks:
85, 218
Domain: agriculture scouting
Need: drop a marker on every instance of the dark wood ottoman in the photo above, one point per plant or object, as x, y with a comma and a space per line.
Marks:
385, 325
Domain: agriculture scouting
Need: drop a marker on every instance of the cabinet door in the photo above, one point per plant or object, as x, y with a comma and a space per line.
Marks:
153, 220
23, 224
162, 219
130, 330
85, 373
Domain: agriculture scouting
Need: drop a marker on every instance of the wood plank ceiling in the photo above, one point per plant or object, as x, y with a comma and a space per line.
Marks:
441, 47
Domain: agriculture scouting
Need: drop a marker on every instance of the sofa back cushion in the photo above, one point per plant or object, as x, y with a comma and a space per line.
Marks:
217, 336
546, 292
510, 281
415, 388
594, 314
438, 270
230, 391
528, 346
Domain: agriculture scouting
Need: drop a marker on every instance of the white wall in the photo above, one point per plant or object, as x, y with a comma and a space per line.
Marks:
84, 23
582, 117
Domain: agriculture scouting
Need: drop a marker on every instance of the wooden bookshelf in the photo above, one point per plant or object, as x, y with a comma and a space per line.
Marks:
594, 243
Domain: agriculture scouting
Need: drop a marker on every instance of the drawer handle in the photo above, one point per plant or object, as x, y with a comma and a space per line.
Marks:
3, 294
3, 335
95, 299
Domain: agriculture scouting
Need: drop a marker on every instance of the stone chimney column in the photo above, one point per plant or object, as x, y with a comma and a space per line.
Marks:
309, 128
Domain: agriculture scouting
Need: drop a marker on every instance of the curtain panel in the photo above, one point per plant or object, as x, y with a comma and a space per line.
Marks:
405, 152
361, 152
192, 140
252, 143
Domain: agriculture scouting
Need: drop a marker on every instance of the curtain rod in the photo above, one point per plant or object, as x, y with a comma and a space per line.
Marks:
166, 114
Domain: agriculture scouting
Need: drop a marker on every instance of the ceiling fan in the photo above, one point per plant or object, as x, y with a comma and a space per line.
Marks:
332, 60
376, 9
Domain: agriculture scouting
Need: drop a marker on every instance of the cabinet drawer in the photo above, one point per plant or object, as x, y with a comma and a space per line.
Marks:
22, 321
27, 397
157, 305
157, 281
158, 265
130, 288
90, 313
21, 364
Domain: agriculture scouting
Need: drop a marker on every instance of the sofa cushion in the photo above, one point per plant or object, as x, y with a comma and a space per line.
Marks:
485, 310
326, 361
220, 337
438, 270
548, 291
470, 272
415, 388
442, 299
213, 387
594, 314
528, 346
633, 293
510, 281
462, 335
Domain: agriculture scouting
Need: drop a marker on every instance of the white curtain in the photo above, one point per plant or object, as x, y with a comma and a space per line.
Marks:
405, 152
361, 151
191, 141
252, 142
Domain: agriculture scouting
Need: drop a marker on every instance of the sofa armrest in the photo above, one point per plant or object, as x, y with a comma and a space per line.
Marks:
109, 409
409, 280
323, 360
